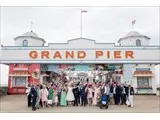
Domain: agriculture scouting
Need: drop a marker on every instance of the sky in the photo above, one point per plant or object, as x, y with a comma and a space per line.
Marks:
59, 24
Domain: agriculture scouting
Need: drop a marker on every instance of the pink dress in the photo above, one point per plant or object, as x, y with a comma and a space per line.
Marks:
90, 95
55, 97
44, 95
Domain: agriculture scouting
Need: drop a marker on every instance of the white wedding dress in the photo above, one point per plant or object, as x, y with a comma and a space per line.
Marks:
70, 96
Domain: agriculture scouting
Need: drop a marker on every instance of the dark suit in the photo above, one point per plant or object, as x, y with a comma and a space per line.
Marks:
126, 91
111, 89
34, 97
76, 96
29, 100
131, 91
123, 97
118, 93
83, 95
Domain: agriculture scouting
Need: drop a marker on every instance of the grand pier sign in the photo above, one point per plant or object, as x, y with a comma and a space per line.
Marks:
81, 51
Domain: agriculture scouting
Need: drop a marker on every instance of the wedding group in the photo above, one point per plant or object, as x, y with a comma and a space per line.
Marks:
78, 93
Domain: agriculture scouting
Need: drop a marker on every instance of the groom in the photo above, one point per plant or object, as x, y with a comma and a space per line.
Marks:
83, 94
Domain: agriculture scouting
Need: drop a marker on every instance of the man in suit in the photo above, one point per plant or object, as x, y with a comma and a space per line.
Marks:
34, 97
118, 93
126, 90
76, 95
111, 93
114, 94
83, 95
123, 96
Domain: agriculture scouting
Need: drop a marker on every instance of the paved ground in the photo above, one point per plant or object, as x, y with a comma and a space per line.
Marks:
17, 103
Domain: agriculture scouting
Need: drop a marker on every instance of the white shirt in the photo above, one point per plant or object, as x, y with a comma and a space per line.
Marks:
123, 90
114, 90
107, 90
129, 92
28, 90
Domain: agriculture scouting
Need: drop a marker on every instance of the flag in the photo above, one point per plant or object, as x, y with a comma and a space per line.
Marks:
83, 11
133, 22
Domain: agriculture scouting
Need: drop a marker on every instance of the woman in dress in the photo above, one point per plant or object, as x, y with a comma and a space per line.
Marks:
63, 101
96, 94
50, 97
70, 97
44, 94
55, 96
130, 94
89, 94
38, 96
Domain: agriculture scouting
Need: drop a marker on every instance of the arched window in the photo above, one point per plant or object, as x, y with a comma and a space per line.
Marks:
25, 43
138, 42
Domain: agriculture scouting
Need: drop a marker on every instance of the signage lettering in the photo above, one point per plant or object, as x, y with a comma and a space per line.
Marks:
98, 54
33, 54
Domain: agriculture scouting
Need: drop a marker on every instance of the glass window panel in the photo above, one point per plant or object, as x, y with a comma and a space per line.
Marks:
19, 81
143, 81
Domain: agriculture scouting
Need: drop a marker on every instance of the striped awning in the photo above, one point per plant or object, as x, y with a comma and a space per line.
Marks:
19, 73
143, 73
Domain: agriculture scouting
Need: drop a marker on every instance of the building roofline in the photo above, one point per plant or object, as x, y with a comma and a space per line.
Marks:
133, 36
30, 37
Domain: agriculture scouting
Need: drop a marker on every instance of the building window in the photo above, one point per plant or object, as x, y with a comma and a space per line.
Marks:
138, 42
19, 81
25, 43
143, 82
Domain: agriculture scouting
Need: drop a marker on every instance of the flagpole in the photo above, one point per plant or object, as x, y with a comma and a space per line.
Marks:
82, 11
81, 23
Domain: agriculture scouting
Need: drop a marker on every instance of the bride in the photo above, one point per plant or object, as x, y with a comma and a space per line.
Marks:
70, 97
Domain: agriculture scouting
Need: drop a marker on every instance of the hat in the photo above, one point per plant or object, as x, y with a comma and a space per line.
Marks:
89, 85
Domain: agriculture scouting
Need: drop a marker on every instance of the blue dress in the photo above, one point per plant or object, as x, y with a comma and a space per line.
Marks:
63, 101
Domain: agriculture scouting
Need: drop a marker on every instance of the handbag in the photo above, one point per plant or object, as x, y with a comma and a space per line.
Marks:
50, 102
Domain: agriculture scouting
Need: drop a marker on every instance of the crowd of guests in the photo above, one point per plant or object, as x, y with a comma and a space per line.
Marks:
71, 93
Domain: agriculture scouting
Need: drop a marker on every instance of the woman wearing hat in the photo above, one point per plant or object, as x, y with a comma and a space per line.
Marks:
89, 94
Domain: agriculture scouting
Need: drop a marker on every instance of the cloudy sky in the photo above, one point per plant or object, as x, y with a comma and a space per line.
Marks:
59, 24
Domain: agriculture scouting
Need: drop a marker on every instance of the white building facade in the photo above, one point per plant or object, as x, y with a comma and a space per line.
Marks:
133, 52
